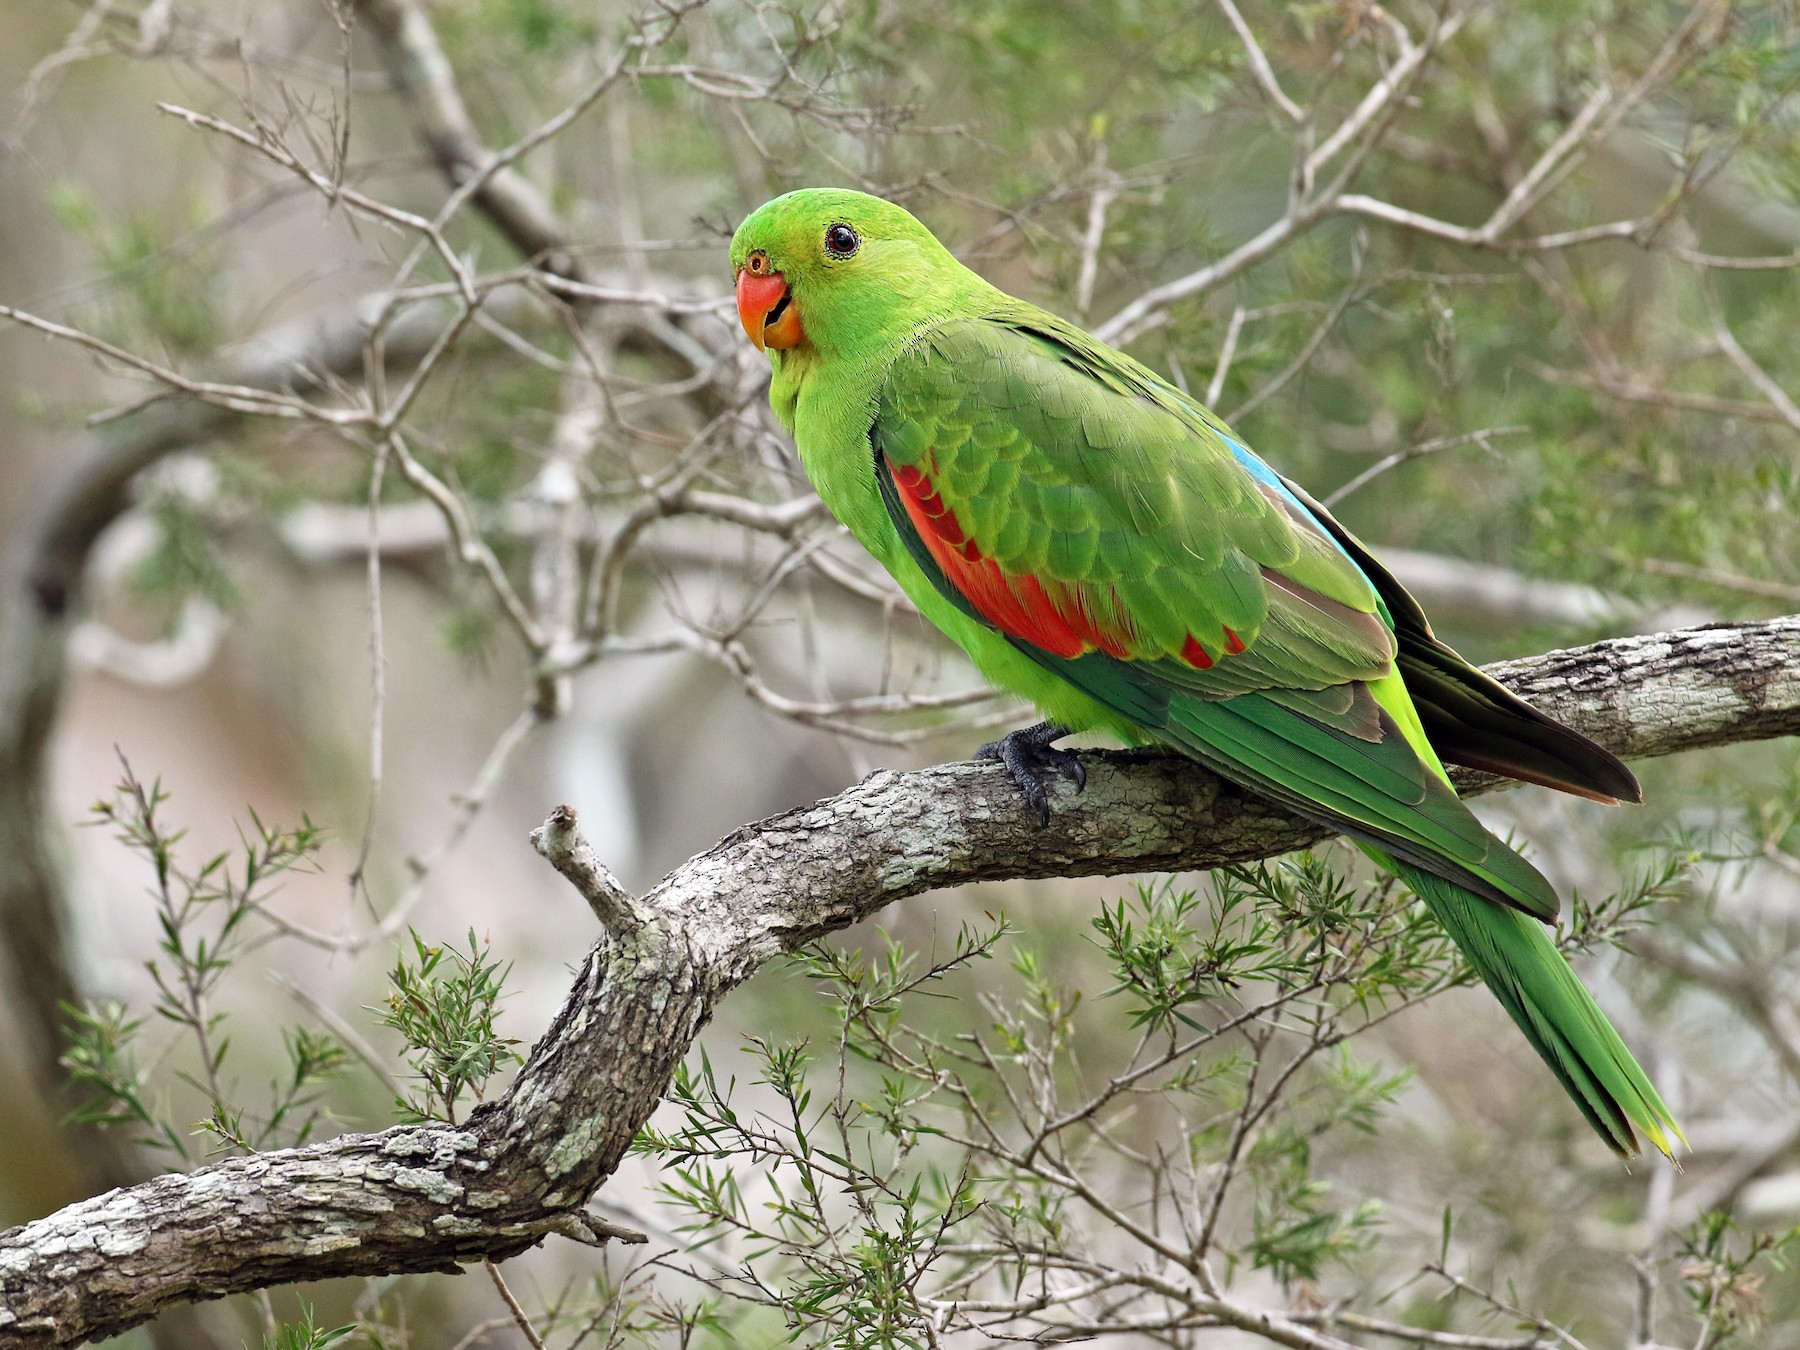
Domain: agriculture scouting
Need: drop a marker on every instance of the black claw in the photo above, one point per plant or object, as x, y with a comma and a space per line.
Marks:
1032, 761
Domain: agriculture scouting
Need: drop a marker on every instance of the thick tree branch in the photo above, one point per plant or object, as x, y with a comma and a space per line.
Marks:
426, 1197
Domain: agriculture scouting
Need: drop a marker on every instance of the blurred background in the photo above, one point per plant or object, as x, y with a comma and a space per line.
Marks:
399, 467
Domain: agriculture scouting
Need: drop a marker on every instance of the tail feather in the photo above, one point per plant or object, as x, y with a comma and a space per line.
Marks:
1516, 959
1474, 720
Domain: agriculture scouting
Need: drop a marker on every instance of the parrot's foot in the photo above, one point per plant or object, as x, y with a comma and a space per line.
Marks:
1033, 762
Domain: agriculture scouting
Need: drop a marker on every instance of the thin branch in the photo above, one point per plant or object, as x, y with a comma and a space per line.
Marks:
1400, 1331
373, 208
520, 1320
1308, 349
1368, 121
1100, 198
466, 539
1419, 451
1383, 93
1628, 389
1548, 1332
1780, 262
1765, 384
1215, 387
1779, 591
1260, 67
238, 398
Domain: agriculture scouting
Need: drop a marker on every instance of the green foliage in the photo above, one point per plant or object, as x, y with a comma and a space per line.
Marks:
307, 1334
1294, 1235
159, 294
187, 559
444, 1002
471, 633
101, 1058
1667, 874
942, 1144
202, 914
313, 1058
531, 29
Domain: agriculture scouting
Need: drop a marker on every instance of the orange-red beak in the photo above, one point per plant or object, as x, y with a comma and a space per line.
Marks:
767, 310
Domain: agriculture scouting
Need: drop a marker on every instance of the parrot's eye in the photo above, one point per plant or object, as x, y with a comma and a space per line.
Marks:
757, 264
841, 241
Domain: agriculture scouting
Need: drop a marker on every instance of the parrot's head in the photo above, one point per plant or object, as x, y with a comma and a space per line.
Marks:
835, 269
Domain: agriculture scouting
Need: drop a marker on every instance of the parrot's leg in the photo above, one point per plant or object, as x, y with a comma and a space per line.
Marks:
1033, 761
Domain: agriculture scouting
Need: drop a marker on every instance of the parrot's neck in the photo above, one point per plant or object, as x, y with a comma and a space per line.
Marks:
828, 401
790, 372
850, 344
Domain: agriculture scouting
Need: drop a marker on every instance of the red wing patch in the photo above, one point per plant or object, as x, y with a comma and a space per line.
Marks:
1195, 655
1057, 618
1017, 606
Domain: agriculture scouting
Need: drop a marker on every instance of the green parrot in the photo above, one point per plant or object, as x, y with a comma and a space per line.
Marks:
1102, 544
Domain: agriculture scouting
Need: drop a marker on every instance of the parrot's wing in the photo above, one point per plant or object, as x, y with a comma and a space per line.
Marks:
1056, 492
1472, 719
1140, 522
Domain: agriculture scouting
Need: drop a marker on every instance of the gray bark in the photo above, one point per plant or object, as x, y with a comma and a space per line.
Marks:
418, 1198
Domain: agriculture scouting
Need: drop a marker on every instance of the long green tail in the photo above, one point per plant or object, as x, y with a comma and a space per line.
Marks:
1516, 959
1382, 793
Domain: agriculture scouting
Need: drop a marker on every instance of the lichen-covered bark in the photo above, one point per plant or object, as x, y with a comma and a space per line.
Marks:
1663, 693
427, 1197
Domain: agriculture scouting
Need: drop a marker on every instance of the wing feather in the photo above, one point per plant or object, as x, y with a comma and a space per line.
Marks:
1132, 514
1124, 540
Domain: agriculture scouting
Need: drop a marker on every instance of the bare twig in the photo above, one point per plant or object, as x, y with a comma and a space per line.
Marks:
1308, 349
1259, 65
519, 1317
1778, 591
1632, 390
1419, 451
1100, 197
559, 840
1311, 206
1764, 383
1215, 387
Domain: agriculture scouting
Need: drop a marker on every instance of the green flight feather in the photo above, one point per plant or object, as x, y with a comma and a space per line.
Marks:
1516, 959
1099, 542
